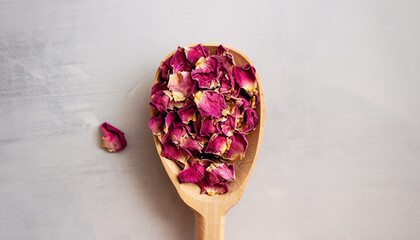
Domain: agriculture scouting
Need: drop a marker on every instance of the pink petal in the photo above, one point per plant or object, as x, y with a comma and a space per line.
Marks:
208, 127
181, 85
246, 78
206, 73
191, 146
250, 120
210, 103
222, 172
219, 188
171, 152
166, 68
217, 145
160, 101
169, 119
188, 113
156, 123
227, 83
196, 52
227, 127
179, 61
113, 139
237, 147
192, 174
158, 87
224, 55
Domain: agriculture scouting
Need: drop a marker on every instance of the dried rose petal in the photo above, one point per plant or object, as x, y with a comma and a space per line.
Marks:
250, 120
210, 103
227, 126
191, 146
237, 147
192, 174
160, 101
181, 85
166, 68
156, 123
206, 73
246, 78
113, 139
188, 113
208, 127
220, 171
158, 87
196, 52
171, 152
218, 188
217, 145
224, 55
179, 61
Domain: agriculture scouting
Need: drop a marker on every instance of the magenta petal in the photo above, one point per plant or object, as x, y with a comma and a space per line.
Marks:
169, 119
246, 78
156, 123
188, 113
160, 101
113, 139
212, 189
250, 120
181, 85
227, 127
179, 61
217, 145
196, 52
192, 146
208, 127
192, 174
158, 87
222, 171
166, 68
210, 103
224, 55
171, 152
238, 147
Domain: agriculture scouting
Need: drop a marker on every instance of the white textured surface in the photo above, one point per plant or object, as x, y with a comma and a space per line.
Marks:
341, 154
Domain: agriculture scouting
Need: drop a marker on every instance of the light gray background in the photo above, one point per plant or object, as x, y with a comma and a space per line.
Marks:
340, 156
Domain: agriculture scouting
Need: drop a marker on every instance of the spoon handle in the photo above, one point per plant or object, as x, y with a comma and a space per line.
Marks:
210, 226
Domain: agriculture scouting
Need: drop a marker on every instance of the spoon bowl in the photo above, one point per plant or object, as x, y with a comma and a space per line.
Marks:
210, 211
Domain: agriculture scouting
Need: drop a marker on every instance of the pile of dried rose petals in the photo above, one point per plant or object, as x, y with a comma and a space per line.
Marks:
203, 107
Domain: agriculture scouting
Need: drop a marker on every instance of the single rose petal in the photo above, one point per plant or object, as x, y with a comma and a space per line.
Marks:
170, 151
220, 171
166, 68
160, 101
179, 61
113, 139
192, 174
196, 52
246, 78
191, 146
206, 73
169, 119
238, 147
217, 145
224, 55
158, 87
181, 85
224, 76
228, 126
250, 120
188, 113
156, 123
218, 188
208, 127
206, 65
210, 103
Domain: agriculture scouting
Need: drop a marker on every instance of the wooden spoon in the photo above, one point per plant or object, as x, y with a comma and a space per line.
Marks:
210, 211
